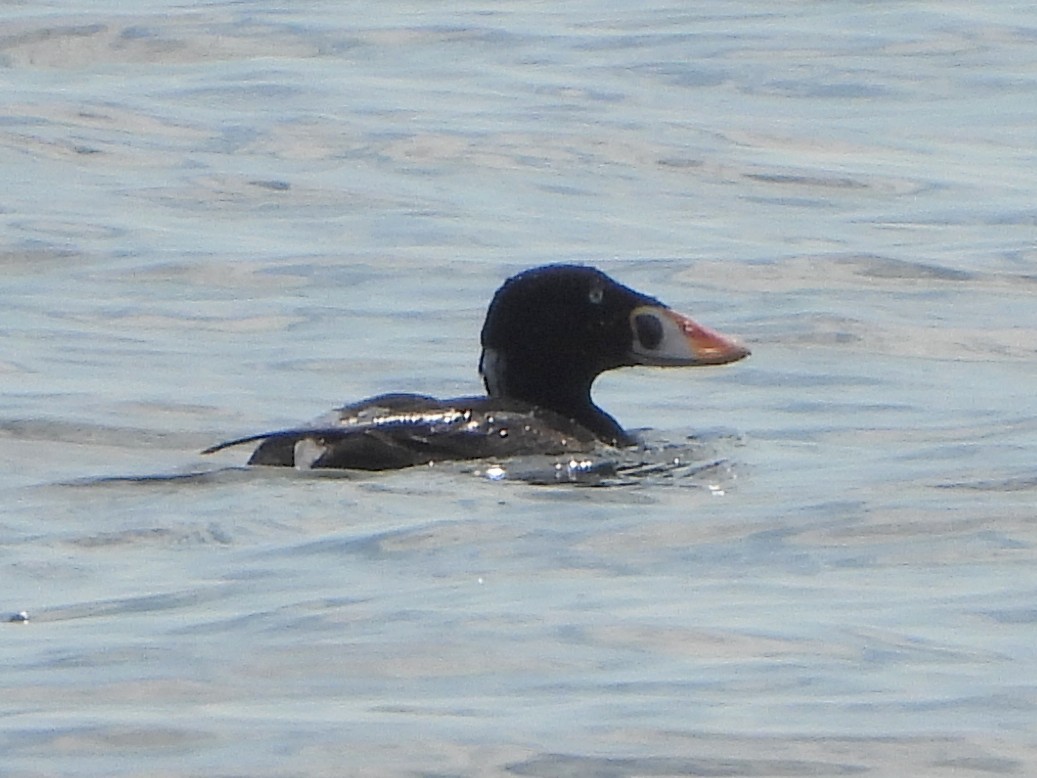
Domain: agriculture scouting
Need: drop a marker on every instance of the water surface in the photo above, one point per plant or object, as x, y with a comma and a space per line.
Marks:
223, 219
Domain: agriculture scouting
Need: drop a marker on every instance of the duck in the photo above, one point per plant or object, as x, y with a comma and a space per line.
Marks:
549, 332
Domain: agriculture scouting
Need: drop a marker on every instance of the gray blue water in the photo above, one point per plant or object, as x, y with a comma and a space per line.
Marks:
222, 218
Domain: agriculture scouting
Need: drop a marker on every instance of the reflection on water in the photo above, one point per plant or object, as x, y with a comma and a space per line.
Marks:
655, 462
230, 219
652, 464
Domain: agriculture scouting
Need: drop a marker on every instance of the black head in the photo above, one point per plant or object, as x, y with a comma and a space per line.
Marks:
552, 330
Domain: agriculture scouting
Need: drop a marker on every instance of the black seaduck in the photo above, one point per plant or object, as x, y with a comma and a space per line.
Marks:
549, 332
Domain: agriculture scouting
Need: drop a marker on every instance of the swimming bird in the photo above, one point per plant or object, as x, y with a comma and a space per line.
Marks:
549, 333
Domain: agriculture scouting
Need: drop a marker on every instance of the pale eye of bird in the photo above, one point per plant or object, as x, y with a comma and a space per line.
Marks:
597, 294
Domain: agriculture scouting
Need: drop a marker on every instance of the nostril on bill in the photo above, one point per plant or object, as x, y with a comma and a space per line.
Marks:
649, 330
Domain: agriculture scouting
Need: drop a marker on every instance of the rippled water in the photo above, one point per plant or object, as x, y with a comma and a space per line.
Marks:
230, 217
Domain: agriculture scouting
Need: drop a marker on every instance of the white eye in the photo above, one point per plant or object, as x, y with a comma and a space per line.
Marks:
597, 294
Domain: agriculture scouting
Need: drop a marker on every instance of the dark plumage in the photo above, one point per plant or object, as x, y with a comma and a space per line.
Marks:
549, 332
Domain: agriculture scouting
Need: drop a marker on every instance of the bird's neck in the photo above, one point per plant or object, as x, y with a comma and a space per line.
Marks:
545, 386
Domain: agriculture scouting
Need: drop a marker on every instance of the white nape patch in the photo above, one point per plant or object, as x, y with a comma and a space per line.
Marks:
308, 451
491, 368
